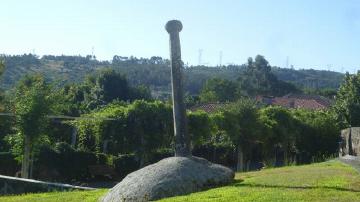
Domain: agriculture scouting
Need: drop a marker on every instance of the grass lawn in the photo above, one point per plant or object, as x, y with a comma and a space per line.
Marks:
71, 196
328, 181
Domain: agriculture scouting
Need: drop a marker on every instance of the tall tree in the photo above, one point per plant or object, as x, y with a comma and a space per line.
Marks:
259, 80
347, 104
31, 106
280, 130
241, 123
200, 128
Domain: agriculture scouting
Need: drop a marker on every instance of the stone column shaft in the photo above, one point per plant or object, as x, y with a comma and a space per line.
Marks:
182, 140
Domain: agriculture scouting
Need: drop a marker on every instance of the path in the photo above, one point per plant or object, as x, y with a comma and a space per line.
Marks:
353, 161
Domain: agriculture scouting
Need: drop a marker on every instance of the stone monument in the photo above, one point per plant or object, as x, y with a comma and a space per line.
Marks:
179, 175
182, 140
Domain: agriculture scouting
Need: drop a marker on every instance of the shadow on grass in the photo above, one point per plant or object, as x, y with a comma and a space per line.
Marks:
238, 183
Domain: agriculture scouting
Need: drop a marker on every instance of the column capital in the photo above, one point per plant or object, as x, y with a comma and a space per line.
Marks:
173, 26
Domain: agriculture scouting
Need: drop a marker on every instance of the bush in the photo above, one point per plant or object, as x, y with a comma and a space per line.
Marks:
221, 154
8, 165
75, 166
102, 159
63, 147
68, 163
160, 154
125, 164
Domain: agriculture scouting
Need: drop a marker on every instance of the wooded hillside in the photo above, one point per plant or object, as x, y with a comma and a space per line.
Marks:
153, 72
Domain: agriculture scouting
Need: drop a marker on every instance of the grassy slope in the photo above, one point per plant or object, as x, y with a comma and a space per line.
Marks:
329, 181
72, 196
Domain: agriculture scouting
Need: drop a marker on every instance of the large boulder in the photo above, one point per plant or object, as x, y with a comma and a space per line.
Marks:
170, 177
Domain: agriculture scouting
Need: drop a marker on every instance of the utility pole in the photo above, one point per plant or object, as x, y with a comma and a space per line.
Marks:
200, 55
220, 58
287, 62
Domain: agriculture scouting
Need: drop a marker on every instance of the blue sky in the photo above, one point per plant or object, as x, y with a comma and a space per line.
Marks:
320, 34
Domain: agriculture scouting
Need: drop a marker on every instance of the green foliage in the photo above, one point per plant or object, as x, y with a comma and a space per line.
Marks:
153, 72
69, 163
218, 90
326, 92
116, 123
109, 86
96, 91
259, 80
141, 127
347, 105
279, 129
8, 164
150, 125
31, 106
69, 196
319, 132
199, 127
241, 121
125, 164
2, 68
309, 79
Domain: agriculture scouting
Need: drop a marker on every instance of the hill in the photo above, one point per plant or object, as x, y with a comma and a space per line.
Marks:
327, 181
153, 72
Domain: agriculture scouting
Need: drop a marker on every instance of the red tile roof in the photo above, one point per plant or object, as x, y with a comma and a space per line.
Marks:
311, 102
208, 107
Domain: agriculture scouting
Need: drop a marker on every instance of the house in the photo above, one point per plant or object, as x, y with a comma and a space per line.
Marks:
311, 102
294, 101
208, 107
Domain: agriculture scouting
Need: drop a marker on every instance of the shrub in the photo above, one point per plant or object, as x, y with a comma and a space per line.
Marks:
161, 154
125, 164
8, 164
102, 159
69, 163
222, 154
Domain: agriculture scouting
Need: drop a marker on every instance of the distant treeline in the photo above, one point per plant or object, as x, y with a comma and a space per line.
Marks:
153, 72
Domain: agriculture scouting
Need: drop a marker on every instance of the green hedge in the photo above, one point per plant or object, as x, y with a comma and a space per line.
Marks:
67, 163
8, 165
125, 164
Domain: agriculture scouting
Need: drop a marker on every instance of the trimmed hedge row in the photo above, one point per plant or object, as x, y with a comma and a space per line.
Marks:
65, 164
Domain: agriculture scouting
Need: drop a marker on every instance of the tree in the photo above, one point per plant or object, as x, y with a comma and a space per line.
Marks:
2, 68
280, 130
5, 122
31, 106
218, 90
140, 127
200, 128
149, 124
259, 80
241, 124
319, 133
347, 103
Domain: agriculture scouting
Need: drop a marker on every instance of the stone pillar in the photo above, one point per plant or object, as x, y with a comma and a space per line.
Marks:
182, 139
